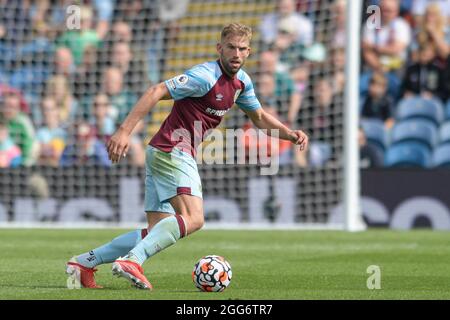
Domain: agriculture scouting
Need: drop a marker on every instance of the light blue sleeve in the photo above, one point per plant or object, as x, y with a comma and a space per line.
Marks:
247, 100
195, 82
104, 9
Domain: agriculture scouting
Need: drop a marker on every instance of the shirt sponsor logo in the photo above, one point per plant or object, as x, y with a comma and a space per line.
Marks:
214, 112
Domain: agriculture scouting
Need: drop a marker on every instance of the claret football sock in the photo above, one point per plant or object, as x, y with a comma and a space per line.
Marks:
109, 252
164, 234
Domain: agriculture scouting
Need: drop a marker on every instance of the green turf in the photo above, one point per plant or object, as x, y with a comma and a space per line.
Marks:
266, 265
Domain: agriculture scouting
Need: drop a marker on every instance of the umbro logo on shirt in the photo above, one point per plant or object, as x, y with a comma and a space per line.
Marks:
219, 97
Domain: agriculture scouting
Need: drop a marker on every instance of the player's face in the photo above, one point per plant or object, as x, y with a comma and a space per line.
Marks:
233, 51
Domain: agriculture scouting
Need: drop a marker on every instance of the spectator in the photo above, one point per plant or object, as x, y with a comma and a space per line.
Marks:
6, 89
337, 68
369, 157
385, 48
419, 8
122, 33
54, 13
10, 154
323, 110
88, 74
121, 99
20, 128
265, 86
78, 40
285, 9
32, 62
58, 87
51, 136
393, 89
287, 98
289, 51
133, 71
85, 148
339, 12
425, 77
320, 116
300, 76
378, 104
165, 35
433, 29
104, 9
30, 78
38, 46
63, 63
102, 121
155, 23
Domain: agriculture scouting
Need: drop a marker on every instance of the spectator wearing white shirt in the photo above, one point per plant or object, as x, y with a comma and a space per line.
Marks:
286, 9
385, 47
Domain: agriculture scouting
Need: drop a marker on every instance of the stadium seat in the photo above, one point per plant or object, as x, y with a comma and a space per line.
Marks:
447, 110
408, 154
419, 108
375, 132
444, 133
441, 156
415, 130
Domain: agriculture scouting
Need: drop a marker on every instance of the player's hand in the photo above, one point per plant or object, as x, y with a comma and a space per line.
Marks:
300, 138
118, 146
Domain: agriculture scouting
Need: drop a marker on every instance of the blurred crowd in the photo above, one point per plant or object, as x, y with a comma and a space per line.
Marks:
64, 91
70, 71
405, 61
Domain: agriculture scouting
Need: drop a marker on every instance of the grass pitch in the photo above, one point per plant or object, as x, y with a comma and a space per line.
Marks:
266, 265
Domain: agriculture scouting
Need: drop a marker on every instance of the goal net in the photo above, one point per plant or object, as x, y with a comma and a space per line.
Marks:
70, 71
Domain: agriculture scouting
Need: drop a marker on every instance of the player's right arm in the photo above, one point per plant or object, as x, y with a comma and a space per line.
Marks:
119, 143
196, 82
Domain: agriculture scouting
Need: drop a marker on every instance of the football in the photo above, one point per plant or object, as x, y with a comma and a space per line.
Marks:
212, 274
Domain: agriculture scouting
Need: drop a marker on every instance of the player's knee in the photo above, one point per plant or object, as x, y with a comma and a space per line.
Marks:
199, 222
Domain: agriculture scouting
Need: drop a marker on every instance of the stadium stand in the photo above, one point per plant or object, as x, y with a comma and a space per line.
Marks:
441, 156
375, 133
420, 108
415, 130
408, 154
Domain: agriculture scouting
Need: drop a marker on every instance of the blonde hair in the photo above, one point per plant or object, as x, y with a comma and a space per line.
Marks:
439, 23
236, 29
65, 103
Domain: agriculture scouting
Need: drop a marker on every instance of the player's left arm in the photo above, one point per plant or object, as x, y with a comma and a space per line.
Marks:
264, 120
